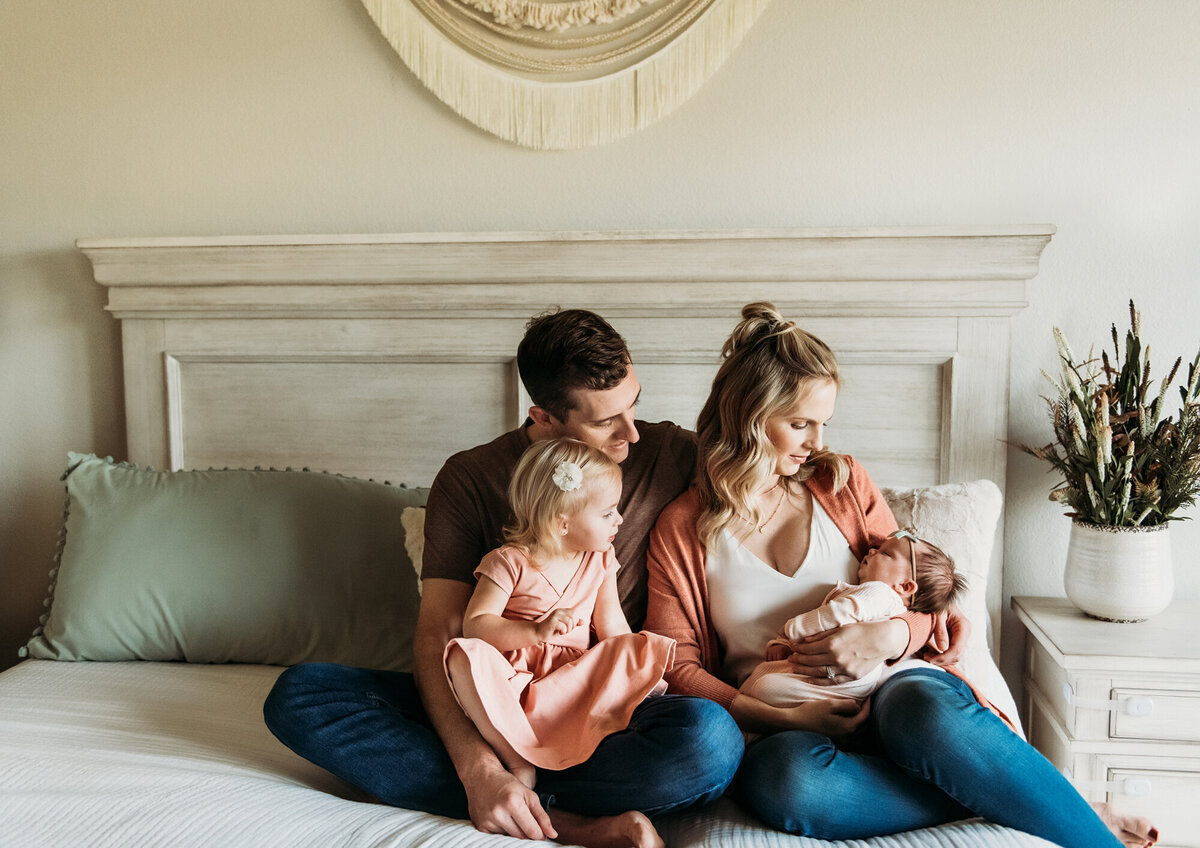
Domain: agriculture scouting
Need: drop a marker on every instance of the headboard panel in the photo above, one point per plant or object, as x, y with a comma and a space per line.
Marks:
378, 356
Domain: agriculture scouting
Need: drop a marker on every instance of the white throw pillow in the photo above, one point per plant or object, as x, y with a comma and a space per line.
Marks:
961, 518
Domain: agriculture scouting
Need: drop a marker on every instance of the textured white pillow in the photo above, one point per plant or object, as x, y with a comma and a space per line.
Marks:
960, 518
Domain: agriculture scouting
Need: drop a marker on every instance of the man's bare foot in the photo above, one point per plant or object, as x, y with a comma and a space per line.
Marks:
628, 830
1133, 831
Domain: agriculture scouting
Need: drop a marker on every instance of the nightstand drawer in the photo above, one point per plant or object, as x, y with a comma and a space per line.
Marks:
1172, 715
1169, 802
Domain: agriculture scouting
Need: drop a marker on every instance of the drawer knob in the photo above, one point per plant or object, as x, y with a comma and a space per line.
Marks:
1134, 705
1131, 786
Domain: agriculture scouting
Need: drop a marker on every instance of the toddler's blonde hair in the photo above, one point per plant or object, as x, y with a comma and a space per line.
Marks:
536, 500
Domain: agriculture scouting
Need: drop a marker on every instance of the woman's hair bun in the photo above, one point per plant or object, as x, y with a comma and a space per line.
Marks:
761, 310
760, 320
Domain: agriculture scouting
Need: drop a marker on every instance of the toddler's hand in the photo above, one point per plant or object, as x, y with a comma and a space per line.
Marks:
557, 623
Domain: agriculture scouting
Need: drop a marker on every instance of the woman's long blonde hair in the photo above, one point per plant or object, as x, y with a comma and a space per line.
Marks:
536, 500
769, 364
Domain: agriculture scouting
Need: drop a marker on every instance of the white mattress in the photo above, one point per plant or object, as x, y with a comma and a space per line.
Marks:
123, 754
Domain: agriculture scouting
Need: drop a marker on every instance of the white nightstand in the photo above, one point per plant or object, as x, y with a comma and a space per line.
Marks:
1117, 707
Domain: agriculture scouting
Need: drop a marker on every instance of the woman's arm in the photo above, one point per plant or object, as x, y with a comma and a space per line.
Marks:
676, 606
666, 616
483, 620
608, 618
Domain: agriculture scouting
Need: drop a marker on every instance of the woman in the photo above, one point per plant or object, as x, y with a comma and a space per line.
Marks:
771, 523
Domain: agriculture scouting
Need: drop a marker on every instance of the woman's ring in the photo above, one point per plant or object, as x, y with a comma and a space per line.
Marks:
829, 672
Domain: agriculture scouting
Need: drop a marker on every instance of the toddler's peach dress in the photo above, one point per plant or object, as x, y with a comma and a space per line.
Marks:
554, 702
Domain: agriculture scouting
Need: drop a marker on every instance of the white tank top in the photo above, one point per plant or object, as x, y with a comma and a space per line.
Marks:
749, 600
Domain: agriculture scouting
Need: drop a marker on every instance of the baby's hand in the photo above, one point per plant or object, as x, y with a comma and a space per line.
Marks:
557, 623
776, 651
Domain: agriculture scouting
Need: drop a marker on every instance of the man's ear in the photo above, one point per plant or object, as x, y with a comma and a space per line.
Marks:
542, 418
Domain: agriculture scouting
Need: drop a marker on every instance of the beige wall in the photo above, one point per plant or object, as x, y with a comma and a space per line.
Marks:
129, 118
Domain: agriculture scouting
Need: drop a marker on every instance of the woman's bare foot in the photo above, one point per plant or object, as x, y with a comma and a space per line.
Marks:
1133, 831
628, 830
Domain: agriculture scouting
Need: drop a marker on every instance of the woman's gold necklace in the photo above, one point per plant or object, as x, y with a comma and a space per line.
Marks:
778, 504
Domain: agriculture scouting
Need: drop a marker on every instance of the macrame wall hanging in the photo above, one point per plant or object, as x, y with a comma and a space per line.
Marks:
563, 74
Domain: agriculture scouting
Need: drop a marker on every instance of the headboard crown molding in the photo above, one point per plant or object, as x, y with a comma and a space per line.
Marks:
823, 268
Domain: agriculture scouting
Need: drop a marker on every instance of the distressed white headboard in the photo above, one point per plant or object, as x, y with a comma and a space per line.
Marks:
379, 355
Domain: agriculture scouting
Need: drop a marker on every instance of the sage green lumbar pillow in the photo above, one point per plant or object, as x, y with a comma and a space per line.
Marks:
246, 566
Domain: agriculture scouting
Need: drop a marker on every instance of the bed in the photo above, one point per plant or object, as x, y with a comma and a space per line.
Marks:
288, 399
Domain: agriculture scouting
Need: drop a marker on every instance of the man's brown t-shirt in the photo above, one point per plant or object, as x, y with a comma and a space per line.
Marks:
468, 505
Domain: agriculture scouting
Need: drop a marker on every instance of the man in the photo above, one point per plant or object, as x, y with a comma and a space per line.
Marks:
372, 729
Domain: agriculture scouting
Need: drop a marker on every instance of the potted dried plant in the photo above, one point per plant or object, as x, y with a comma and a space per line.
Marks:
1128, 468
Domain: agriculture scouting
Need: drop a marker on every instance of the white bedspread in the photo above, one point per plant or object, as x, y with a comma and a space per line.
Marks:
147, 754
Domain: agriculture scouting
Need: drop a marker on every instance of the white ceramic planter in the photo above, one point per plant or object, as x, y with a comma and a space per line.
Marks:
1119, 573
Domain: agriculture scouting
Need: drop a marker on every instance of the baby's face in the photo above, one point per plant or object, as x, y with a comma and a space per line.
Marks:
889, 563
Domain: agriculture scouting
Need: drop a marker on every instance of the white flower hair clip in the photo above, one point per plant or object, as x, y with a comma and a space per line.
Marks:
568, 476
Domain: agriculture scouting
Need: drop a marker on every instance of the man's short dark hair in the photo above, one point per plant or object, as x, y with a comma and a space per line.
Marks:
568, 349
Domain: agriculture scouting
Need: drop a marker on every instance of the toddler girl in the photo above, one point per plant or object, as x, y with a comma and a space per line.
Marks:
542, 691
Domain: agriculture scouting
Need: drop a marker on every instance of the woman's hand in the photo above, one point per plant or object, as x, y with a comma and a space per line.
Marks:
557, 623
836, 718
851, 650
951, 633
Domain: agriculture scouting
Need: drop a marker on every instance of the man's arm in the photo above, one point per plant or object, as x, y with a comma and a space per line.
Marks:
497, 801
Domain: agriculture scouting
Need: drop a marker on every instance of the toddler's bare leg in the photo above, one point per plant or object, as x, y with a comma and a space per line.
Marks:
472, 704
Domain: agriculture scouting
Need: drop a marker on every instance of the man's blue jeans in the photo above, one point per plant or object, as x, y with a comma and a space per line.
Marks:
937, 756
370, 729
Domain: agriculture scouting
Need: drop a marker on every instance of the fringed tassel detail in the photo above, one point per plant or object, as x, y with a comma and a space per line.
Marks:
565, 115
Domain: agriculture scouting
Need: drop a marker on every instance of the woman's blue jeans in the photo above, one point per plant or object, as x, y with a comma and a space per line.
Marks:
370, 729
935, 755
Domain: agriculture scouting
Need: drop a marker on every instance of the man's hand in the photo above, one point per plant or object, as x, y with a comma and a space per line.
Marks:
499, 803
